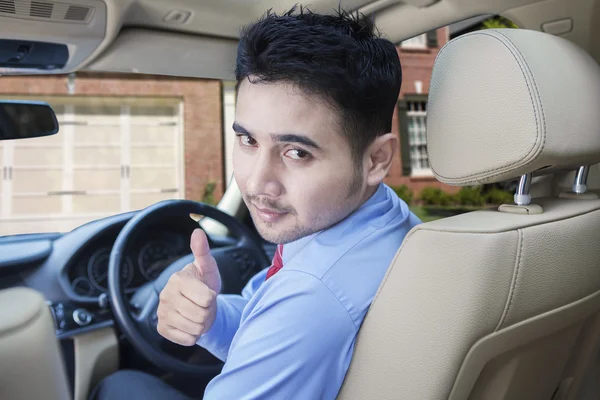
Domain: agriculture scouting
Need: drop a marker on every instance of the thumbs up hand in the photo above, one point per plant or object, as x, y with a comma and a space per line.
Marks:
188, 306
206, 268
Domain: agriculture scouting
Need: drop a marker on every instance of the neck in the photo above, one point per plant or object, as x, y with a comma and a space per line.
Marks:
367, 195
369, 192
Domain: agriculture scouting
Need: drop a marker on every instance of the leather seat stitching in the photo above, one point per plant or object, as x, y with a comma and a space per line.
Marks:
515, 279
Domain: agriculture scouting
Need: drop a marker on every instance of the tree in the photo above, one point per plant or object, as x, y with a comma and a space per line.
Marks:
208, 197
498, 22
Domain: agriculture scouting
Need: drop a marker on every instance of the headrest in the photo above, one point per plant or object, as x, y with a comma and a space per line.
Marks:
506, 102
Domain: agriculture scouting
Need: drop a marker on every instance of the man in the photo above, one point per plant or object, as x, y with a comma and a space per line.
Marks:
313, 120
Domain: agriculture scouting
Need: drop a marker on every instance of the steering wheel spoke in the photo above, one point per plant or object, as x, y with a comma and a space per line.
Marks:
147, 314
237, 264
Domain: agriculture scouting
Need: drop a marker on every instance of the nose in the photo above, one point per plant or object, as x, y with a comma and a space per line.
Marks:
263, 177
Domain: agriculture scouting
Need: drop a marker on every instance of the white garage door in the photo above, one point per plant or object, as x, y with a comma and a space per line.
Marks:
111, 155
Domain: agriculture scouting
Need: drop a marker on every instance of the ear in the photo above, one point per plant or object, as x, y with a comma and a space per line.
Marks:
379, 158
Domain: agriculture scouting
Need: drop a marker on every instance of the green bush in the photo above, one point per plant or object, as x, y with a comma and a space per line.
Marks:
498, 196
405, 193
470, 196
498, 22
435, 197
208, 197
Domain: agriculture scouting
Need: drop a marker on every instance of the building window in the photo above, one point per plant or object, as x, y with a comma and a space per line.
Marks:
417, 42
416, 113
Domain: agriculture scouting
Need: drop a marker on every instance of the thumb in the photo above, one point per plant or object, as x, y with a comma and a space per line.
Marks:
204, 263
199, 245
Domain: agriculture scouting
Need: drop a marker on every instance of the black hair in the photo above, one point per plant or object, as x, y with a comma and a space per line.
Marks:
339, 57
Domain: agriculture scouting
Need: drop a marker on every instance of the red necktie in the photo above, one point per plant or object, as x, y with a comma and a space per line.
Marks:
277, 263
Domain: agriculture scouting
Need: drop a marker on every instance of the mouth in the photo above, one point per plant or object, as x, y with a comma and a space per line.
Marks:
269, 214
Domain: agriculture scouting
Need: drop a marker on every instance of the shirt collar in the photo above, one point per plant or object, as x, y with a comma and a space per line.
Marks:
367, 212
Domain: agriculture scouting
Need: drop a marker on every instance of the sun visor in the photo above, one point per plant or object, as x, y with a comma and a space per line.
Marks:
134, 50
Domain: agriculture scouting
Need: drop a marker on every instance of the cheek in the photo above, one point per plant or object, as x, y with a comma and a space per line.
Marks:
320, 193
240, 168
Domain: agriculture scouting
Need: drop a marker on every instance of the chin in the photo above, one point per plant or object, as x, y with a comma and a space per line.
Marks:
269, 234
279, 235
265, 230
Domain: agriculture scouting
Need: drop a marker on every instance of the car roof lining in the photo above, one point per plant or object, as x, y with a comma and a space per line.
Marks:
213, 27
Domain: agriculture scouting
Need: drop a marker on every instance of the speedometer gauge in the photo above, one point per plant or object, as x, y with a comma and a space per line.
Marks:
154, 257
98, 270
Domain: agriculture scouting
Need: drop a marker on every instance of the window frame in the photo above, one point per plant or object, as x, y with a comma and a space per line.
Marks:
404, 115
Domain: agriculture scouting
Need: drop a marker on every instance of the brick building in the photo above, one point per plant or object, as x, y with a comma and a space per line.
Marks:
417, 56
128, 141
411, 166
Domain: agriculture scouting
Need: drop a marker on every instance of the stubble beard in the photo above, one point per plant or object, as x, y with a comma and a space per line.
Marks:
266, 229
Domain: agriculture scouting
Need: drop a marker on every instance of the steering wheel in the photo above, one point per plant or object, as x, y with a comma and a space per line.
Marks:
237, 264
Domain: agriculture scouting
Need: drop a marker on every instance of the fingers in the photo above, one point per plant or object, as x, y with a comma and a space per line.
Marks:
177, 321
186, 308
177, 336
192, 289
199, 294
180, 320
190, 311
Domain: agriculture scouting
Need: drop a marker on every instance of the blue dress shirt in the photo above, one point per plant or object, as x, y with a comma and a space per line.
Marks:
292, 336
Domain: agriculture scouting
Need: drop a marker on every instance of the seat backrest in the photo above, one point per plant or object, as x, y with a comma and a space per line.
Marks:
495, 304
31, 362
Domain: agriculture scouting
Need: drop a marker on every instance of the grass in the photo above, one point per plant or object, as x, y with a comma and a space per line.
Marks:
422, 214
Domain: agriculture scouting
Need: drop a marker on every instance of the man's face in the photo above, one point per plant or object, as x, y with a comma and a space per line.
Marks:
291, 163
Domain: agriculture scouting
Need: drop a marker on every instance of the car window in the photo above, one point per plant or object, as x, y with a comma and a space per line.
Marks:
125, 142
129, 140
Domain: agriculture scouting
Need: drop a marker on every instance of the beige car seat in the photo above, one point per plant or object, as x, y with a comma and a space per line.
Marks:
499, 304
31, 362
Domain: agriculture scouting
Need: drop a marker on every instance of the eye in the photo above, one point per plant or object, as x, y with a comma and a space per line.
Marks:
297, 154
246, 140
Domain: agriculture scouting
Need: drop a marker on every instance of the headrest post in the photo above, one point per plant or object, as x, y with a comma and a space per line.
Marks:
522, 197
580, 184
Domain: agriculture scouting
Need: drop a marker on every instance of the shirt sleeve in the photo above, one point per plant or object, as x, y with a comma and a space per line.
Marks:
227, 321
296, 343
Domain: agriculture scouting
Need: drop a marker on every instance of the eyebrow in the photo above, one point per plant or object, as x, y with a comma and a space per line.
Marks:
282, 137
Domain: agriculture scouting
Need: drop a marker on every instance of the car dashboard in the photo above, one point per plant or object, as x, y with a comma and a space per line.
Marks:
144, 260
71, 269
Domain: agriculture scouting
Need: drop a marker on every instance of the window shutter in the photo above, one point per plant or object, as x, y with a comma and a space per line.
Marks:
404, 144
432, 39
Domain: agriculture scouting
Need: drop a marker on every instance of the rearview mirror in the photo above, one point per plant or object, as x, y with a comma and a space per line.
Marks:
26, 119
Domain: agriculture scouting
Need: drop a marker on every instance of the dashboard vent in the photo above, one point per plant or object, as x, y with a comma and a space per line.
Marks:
77, 13
7, 6
46, 10
41, 9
